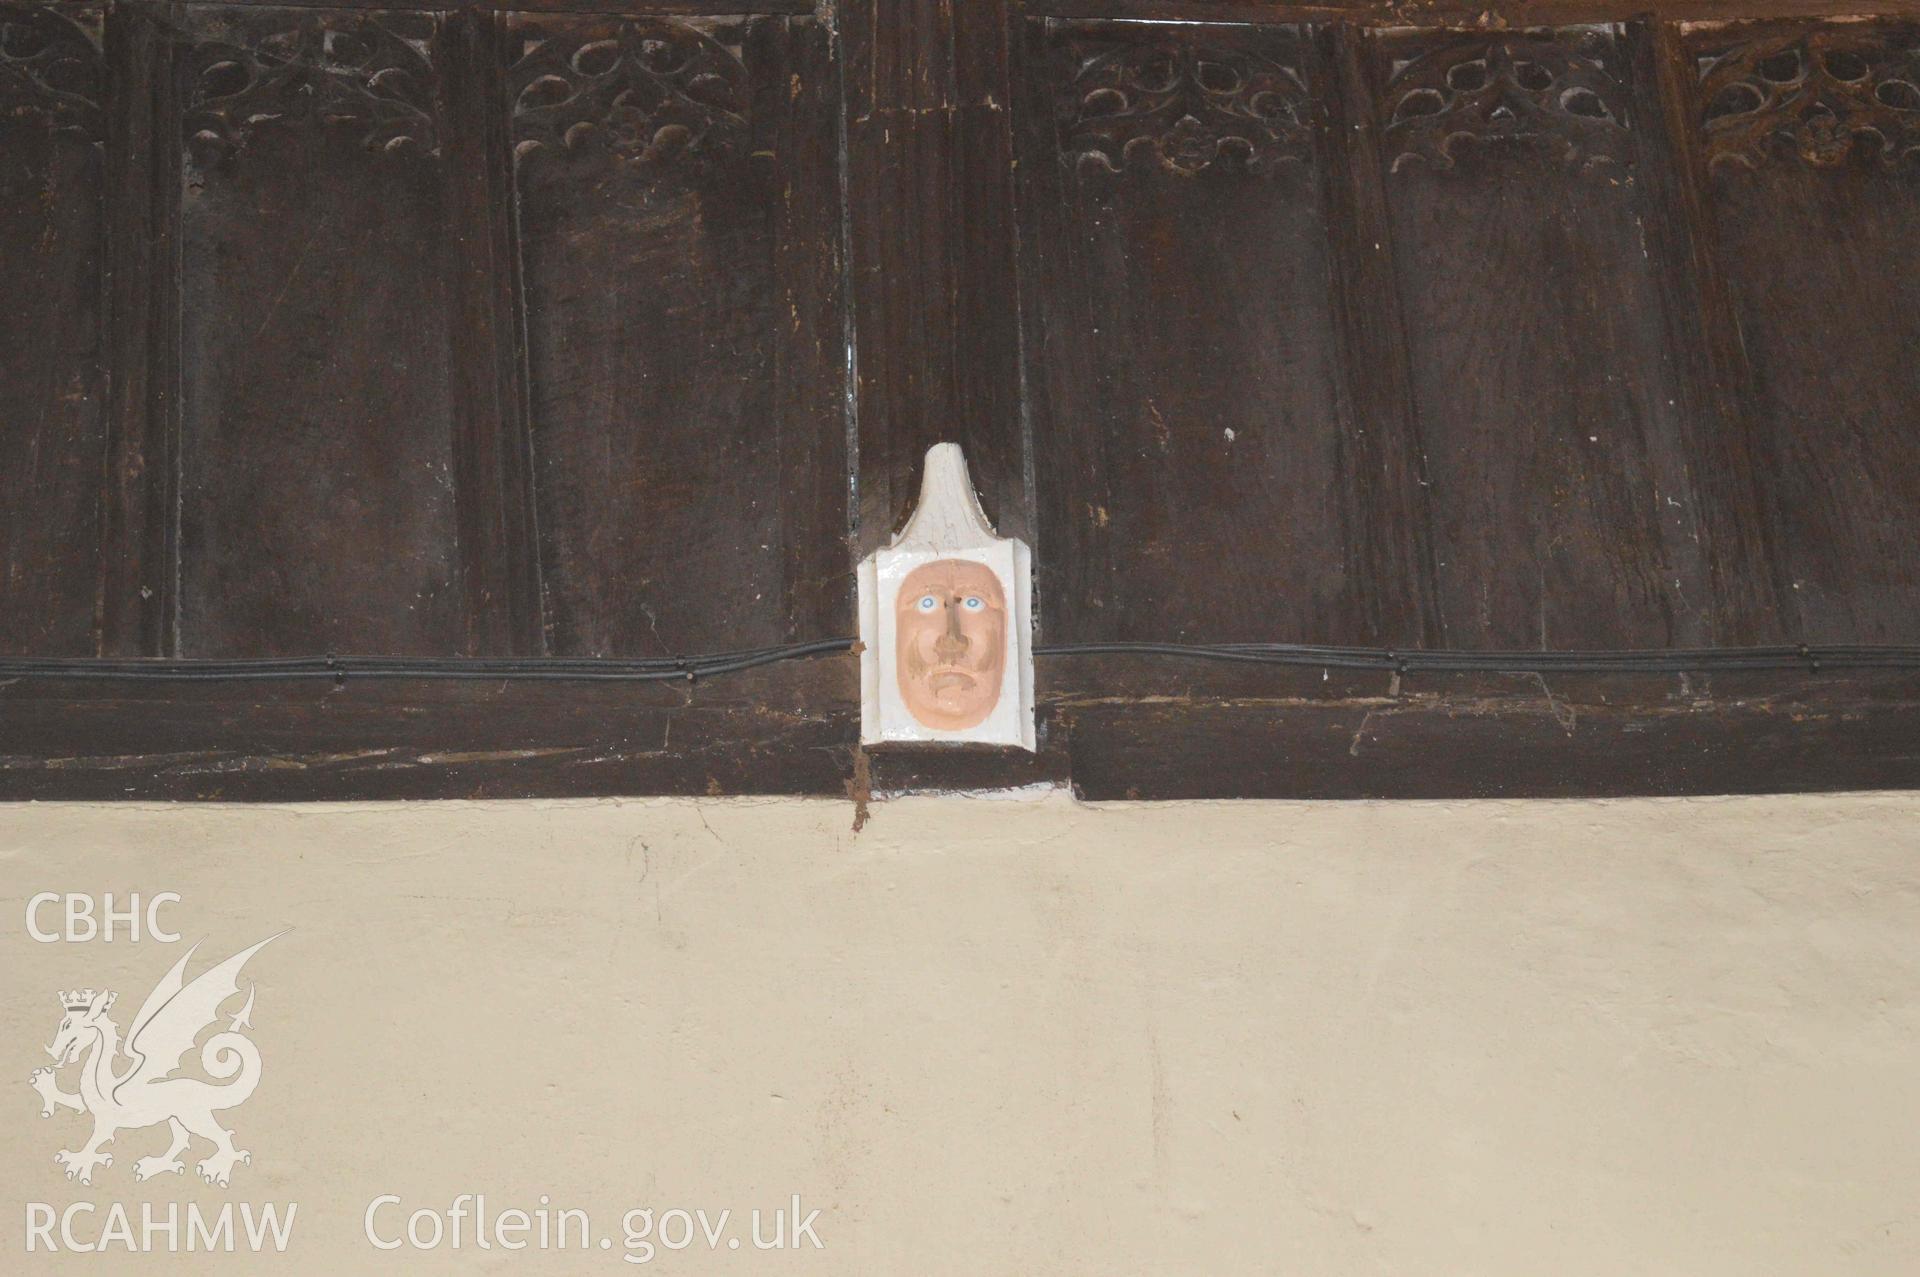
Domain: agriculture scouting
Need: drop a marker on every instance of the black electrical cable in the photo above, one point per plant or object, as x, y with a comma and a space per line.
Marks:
341, 668
1805, 658
1437, 661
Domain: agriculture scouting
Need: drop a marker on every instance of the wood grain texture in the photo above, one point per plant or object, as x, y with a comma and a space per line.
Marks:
1527, 739
492, 449
139, 542
784, 729
1812, 137
1389, 522
604, 8
675, 197
480, 356
1498, 15
317, 475
931, 244
1712, 381
1181, 340
53, 126
1562, 512
1114, 729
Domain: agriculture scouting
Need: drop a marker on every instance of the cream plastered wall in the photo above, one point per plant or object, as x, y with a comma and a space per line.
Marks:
1021, 1037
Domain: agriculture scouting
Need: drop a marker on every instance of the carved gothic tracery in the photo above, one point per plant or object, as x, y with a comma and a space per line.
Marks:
651, 91
1820, 94
1182, 107
376, 77
50, 70
1563, 87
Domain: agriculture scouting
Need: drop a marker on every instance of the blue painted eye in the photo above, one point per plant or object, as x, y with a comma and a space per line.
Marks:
974, 603
927, 603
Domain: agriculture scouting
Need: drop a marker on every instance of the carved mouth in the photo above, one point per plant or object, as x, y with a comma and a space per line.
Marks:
944, 680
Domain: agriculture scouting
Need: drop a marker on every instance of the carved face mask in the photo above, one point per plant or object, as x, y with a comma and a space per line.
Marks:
950, 642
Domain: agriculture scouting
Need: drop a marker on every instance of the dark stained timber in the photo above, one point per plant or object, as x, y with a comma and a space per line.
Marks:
53, 128
1811, 139
492, 452
676, 200
1562, 512
1182, 731
932, 280
569, 329
1193, 466
317, 504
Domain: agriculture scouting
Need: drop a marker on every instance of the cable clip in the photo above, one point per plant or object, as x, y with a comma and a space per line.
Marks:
1813, 662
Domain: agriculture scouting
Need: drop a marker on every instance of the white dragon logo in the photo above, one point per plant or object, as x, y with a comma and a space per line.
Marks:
144, 1093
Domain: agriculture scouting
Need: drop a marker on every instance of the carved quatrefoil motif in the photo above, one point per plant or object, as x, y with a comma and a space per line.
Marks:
342, 72
1822, 95
1183, 108
651, 91
1562, 87
50, 70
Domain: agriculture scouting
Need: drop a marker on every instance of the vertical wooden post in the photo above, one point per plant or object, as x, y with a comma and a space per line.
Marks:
1392, 555
799, 113
138, 604
932, 254
499, 550
1704, 340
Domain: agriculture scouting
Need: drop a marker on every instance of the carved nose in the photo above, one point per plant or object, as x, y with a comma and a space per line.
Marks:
951, 645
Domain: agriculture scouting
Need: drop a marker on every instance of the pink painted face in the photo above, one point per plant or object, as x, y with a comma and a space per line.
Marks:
950, 642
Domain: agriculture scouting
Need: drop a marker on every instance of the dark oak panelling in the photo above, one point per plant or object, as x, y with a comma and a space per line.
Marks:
53, 131
781, 729
1561, 510
1702, 339
1496, 15
493, 465
1387, 517
676, 199
604, 8
1192, 464
483, 356
139, 576
1811, 138
1180, 730
1492, 737
317, 470
932, 246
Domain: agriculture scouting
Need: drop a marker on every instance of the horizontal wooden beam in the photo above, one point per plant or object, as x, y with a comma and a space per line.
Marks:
1224, 732
618, 8
1113, 727
786, 729
1496, 14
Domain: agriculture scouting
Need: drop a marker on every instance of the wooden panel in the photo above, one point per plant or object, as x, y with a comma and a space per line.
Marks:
1113, 727
789, 728
492, 450
1812, 138
52, 241
1513, 737
139, 525
1495, 14
1702, 338
630, 7
1561, 510
1192, 463
933, 282
317, 489
677, 202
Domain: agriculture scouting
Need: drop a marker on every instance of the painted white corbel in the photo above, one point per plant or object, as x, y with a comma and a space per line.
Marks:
951, 662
